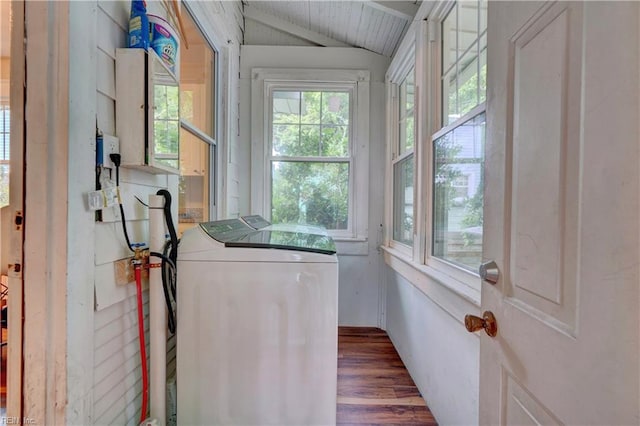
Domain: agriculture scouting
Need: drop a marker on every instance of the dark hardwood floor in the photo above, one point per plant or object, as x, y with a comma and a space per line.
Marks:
374, 387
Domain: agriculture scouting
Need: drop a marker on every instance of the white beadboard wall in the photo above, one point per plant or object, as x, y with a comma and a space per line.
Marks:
104, 383
117, 383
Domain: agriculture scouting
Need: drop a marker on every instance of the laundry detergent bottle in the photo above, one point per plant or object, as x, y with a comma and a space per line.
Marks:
139, 25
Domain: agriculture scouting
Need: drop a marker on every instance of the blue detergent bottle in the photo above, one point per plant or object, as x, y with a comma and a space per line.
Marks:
139, 25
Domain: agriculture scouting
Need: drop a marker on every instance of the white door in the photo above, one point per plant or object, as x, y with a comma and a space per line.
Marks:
562, 214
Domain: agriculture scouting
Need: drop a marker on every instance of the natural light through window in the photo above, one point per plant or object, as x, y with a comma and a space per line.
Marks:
403, 165
464, 59
458, 148
458, 157
5, 133
5, 116
310, 157
197, 129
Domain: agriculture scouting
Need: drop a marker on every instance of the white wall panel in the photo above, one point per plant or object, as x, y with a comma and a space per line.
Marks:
441, 356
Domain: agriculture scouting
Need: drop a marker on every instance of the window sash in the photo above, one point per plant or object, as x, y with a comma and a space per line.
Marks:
350, 88
402, 153
457, 245
204, 125
447, 69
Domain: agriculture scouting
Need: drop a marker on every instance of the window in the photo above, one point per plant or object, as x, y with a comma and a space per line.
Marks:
458, 160
5, 122
310, 158
5, 134
458, 148
310, 150
403, 163
197, 128
464, 59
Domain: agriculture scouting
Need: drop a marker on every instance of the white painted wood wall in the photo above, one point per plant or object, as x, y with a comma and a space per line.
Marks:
104, 377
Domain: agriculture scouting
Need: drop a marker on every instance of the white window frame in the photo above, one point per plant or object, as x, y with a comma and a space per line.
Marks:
422, 47
211, 141
455, 272
264, 82
395, 80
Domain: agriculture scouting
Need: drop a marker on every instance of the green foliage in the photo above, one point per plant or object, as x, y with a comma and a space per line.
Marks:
403, 214
470, 93
474, 207
166, 125
310, 124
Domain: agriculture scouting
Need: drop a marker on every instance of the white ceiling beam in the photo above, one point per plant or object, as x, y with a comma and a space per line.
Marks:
402, 9
271, 21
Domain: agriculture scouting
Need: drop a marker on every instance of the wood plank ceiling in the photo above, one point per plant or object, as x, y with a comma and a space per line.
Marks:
377, 26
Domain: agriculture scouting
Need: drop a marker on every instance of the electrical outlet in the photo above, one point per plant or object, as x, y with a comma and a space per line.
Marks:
110, 145
125, 272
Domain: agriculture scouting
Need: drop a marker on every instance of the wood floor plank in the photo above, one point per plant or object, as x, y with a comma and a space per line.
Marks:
415, 401
366, 391
374, 387
384, 414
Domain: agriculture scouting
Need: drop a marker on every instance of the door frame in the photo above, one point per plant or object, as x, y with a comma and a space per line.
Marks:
43, 40
16, 204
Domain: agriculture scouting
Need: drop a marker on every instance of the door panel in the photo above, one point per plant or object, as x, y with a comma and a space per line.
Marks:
544, 60
521, 408
562, 214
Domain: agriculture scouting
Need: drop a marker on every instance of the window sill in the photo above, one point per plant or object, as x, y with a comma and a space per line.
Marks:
452, 295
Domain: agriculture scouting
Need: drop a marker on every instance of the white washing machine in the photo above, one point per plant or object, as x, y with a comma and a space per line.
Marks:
257, 326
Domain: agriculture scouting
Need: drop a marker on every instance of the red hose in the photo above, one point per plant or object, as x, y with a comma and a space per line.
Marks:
143, 347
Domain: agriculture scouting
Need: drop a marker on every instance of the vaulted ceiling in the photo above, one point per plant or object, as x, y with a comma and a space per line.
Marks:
377, 26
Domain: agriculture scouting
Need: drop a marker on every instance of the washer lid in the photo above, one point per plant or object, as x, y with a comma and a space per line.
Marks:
226, 230
286, 240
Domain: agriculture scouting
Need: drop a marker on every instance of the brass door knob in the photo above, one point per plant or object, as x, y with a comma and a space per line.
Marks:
487, 322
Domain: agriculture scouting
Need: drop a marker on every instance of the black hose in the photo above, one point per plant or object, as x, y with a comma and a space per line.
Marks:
169, 261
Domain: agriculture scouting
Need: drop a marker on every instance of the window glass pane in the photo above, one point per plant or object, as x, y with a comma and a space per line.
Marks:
403, 201
407, 134
196, 190
310, 192
310, 107
463, 73
458, 194
285, 139
482, 93
468, 25
5, 78
286, 107
410, 90
468, 83
335, 141
450, 98
407, 102
319, 124
193, 200
335, 108
197, 79
5, 133
309, 141
449, 43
